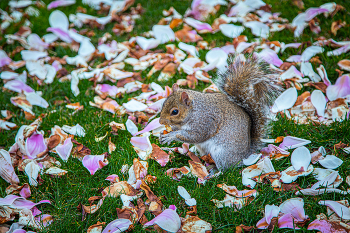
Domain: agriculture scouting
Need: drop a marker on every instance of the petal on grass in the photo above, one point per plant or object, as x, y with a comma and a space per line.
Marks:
163, 33
290, 174
59, 3
319, 101
341, 88
131, 127
118, 225
331, 162
76, 130
301, 158
35, 144
341, 210
168, 220
231, 30
65, 149
134, 105
7, 171
94, 162
198, 25
146, 44
271, 211
286, 100
141, 142
185, 195
295, 207
287, 221
290, 142
253, 158
32, 170
270, 57
315, 192
258, 28
18, 86
343, 64
4, 59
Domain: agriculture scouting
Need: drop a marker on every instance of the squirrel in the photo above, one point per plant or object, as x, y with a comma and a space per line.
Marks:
226, 125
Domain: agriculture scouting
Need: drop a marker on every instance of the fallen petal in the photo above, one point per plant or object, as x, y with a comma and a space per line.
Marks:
294, 206
118, 225
168, 220
94, 162
286, 100
290, 142
301, 158
65, 149
341, 210
331, 162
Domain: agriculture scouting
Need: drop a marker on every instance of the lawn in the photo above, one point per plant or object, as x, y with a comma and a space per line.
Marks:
77, 186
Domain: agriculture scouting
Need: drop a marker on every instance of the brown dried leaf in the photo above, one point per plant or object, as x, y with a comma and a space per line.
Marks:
208, 159
53, 141
336, 25
299, 4
159, 155
96, 228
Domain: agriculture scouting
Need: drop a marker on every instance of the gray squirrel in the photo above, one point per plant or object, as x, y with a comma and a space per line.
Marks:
226, 125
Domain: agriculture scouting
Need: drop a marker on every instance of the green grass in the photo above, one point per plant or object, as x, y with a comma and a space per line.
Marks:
78, 185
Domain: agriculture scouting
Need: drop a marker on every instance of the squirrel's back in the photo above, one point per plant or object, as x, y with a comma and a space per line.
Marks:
250, 83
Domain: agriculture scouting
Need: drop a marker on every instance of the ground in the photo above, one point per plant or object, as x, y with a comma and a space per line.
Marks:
65, 193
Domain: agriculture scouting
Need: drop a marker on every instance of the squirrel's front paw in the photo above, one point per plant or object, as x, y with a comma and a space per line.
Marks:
167, 138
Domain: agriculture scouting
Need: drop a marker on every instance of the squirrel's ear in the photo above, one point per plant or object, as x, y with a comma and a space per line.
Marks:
175, 87
185, 99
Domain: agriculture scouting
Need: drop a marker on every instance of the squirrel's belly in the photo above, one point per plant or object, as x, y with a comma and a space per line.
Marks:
208, 147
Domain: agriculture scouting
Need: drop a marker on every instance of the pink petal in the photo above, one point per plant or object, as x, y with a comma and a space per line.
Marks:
140, 142
294, 206
17, 202
58, 3
43, 220
198, 25
113, 178
341, 210
340, 89
262, 224
168, 220
57, 65
94, 162
35, 144
36, 43
25, 191
322, 225
341, 50
18, 86
151, 126
63, 35
106, 88
294, 58
7, 171
64, 150
270, 57
312, 12
287, 221
118, 225
4, 59
290, 142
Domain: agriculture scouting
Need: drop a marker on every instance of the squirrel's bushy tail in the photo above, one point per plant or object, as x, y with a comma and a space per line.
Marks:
250, 83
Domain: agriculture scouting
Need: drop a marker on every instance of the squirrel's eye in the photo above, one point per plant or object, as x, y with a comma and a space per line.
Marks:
174, 112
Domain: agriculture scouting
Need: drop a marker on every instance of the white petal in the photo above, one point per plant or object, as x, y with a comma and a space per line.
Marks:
134, 106
319, 101
314, 192
258, 28
301, 158
32, 55
231, 30
271, 211
58, 19
331, 162
35, 99
32, 171
76, 130
310, 52
289, 175
327, 181
147, 43
131, 127
86, 49
185, 195
253, 158
306, 69
218, 56
286, 100
163, 33
189, 49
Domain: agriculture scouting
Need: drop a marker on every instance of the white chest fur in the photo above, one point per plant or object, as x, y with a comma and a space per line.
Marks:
209, 146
